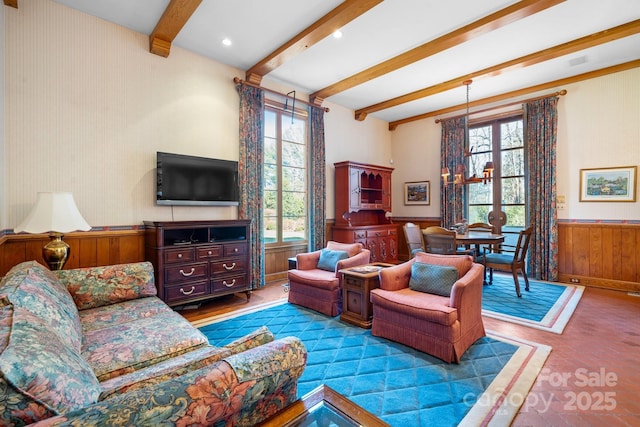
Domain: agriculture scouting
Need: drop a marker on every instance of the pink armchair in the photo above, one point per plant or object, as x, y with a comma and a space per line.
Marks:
320, 289
443, 326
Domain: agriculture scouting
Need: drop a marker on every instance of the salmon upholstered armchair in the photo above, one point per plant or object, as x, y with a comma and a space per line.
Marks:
316, 281
442, 324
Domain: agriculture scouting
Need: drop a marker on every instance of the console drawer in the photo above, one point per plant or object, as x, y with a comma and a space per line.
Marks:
186, 273
236, 266
208, 252
235, 249
179, 255
186, 291
229, 283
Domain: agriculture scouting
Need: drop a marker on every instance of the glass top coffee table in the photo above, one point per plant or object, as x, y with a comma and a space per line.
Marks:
323, 407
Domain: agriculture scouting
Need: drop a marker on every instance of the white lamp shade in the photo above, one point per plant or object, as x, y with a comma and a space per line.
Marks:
54, 212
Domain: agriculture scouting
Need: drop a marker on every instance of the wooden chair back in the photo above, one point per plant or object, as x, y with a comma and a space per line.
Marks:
414, 238
439, 240
481, 226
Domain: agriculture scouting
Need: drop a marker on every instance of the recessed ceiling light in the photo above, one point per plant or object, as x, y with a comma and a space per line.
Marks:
337, 34
226, 42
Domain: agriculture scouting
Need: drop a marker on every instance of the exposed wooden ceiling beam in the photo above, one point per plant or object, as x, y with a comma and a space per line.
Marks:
577, 45
325, 26
175, 16
489, 23
520, 92
12, 3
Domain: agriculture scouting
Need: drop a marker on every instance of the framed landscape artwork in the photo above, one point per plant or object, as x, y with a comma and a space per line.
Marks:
417, 193
608, 184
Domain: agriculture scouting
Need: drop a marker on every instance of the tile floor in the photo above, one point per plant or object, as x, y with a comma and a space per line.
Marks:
591, 377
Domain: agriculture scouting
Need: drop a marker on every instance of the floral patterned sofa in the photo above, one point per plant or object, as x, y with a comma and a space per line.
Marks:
95, 346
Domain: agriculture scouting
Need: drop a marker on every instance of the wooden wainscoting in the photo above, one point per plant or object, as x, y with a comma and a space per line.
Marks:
600, 255
276, 261
88, 249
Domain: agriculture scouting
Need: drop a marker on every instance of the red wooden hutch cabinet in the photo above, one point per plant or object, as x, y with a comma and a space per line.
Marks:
363, 197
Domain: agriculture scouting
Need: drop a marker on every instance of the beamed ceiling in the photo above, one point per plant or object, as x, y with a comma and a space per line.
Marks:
397, 60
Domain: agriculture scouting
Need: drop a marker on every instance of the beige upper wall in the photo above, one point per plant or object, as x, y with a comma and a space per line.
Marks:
87, 106
598, 126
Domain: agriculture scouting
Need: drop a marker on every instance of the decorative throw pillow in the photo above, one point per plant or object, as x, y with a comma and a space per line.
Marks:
329, 259
433, 279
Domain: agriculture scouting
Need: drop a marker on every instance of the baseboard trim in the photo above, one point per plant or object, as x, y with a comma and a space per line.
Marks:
595, 282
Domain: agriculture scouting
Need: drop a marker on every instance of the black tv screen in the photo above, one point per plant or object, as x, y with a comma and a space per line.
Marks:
196, 181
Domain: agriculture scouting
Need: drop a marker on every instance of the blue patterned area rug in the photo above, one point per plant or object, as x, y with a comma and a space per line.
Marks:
400, 385
546, 306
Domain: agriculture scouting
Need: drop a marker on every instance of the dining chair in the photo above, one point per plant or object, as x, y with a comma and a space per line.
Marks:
439, 240
510, 258
414, 238
483, 227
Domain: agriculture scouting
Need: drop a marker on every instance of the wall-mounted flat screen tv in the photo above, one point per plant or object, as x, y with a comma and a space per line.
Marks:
196, 181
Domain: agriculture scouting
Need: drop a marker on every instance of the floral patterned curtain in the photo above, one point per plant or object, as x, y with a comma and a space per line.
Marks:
540, 135
317, 194
452, 149
250, 173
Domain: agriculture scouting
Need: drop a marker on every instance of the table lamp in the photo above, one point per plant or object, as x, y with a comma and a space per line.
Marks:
55, 213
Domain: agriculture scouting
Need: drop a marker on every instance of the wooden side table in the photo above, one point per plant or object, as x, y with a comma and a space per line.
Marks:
357, 283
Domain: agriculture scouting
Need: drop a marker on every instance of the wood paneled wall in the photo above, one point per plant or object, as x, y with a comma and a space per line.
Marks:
88, 249
600, 255
594, 254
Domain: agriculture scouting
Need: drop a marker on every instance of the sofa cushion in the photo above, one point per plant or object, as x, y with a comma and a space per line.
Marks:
96, 286
124, 312
351, 248
329, 258
127, 347
42, 367
32, 287
418, 306
180, 365
316, 277
432, 278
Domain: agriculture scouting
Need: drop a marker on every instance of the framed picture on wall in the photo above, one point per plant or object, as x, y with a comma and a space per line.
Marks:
608, 184
417, 193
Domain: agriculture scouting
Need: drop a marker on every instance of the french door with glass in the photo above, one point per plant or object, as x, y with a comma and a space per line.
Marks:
502, 201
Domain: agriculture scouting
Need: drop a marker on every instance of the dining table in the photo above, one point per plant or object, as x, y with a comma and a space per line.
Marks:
478, 238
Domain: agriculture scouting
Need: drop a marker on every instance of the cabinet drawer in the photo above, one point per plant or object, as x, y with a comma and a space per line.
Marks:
235, 249
352, 281
188, 272
359, 234
229, 284
179, 255
186, 291
377, 233
208, 252
236, 266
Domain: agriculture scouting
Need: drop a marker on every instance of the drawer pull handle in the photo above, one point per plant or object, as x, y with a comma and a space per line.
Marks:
229, 268
179, 255
235, 249
183, 292
189, 273
209, 253
229, 285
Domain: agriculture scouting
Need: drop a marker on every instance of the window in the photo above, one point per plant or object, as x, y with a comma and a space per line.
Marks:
500, 141
285, 176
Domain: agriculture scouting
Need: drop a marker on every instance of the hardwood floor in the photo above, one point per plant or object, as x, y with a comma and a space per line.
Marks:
591, 377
